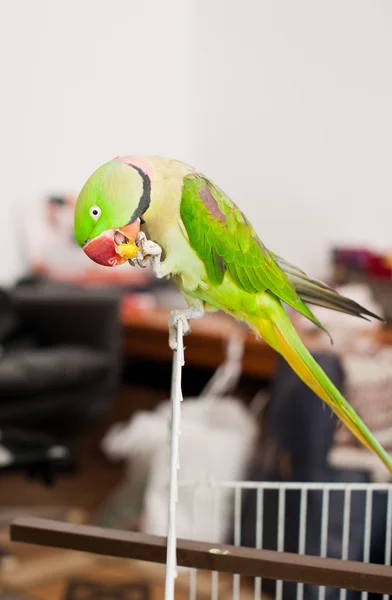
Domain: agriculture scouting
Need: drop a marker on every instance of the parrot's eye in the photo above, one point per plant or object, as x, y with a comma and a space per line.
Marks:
95, 212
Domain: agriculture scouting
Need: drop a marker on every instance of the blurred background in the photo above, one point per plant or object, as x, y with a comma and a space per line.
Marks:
287, 107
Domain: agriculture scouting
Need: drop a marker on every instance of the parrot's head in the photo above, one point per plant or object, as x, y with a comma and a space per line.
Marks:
109, 210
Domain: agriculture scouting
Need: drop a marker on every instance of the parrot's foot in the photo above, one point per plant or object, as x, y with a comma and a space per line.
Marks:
148, 253
183, 316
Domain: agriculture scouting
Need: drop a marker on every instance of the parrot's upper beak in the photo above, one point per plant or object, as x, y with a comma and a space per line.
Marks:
104, 249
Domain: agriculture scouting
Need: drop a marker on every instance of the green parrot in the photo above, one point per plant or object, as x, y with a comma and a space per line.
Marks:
162, 212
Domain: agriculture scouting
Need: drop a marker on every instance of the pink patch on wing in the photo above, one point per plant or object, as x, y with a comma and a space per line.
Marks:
211, 204
137, 161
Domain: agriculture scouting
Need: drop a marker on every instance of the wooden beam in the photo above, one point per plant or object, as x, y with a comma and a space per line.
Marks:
202, 555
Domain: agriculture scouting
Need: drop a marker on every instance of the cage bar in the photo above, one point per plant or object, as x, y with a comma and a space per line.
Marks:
302, 535
367, 538
281, 526
237, 538
324, 534
193, 572
215, 512
259, 536
388, 534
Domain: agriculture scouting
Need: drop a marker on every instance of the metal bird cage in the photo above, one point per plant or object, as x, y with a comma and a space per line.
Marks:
282, 523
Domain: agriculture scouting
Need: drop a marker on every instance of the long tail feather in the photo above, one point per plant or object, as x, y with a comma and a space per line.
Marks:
318, 293
279, 332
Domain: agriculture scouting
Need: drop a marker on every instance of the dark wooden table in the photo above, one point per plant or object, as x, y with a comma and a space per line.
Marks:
146, 336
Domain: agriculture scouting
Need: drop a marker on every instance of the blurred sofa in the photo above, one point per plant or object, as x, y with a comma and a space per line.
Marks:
60, 357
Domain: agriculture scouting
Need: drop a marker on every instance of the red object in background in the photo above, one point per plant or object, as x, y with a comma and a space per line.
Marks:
361, 260
378, 267
353, 258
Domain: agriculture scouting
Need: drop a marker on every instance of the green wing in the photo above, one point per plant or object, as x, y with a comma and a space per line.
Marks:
224, 239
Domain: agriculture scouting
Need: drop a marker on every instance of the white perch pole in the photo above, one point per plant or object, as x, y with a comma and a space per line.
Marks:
176, 398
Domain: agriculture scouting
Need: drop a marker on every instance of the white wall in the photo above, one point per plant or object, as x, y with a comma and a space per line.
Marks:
292, 114
287, 105
84, 81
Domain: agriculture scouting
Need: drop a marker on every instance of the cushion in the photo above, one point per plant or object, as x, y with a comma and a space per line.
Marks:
34, 371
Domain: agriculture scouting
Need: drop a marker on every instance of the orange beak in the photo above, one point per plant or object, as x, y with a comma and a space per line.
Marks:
103, 249
131, 231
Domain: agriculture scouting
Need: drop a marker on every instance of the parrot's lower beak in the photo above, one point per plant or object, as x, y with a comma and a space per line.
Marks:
114, 246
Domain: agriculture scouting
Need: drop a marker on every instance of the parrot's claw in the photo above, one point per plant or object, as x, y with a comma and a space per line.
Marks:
149, 253
174, 318
147, 247
142, 260
183, 316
